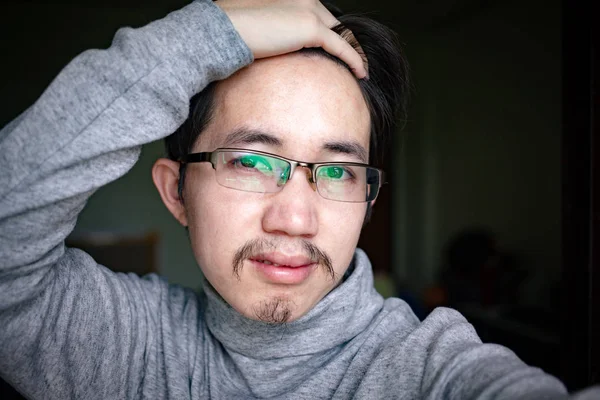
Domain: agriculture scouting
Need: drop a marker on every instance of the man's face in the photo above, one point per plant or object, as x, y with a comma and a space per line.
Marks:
304, 108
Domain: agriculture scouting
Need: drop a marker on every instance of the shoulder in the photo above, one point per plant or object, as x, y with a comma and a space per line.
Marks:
150, 300
402, 322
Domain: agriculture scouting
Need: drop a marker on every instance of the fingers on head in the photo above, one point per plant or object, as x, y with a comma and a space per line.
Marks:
344, 46
339, 47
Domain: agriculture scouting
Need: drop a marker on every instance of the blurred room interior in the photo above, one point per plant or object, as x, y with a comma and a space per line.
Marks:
490, 192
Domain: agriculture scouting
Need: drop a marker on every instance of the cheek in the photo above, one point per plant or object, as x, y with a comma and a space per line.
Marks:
220, 221
340, 230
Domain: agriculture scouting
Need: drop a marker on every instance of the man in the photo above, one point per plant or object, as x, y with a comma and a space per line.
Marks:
270, 175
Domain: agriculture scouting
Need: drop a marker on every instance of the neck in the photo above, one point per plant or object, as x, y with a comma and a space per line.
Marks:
268, 358
351, 305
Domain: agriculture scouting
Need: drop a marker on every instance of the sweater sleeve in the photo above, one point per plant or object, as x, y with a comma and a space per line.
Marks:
457, 365
443, 358
68, 327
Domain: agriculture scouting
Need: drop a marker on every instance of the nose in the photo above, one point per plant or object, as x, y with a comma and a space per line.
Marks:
293, 211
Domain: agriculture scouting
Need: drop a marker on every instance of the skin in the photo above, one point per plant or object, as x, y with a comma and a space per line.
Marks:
303, 102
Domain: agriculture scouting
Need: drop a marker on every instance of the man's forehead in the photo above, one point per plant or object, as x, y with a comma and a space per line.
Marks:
304, 68
295, 98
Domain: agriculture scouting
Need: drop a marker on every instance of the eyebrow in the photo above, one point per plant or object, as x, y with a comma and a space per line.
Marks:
347, 147
251, 136
244, 136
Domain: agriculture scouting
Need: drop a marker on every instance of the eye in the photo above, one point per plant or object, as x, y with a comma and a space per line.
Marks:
335, 172
253, 162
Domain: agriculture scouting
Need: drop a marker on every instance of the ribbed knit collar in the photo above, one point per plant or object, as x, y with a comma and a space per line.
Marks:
260, 349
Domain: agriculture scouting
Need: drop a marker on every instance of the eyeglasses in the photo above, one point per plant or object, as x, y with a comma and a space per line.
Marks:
260, 172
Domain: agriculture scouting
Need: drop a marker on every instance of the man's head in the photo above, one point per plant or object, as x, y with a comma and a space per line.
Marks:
304, 106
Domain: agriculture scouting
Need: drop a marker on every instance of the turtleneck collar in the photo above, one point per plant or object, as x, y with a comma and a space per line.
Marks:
340, 316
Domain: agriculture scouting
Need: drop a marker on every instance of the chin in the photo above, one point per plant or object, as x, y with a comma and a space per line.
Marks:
277, 308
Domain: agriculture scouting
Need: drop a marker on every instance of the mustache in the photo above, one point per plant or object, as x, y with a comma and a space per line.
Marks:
254, 247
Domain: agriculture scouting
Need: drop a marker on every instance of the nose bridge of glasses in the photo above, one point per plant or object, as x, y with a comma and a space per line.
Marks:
309, 171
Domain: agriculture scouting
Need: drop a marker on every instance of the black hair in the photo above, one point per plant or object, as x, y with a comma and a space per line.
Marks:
386, 92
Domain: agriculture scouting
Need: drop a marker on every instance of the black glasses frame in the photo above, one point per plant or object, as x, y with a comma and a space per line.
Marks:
210, 156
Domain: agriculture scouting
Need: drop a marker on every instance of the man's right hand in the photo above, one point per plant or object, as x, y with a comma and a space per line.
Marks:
271, 28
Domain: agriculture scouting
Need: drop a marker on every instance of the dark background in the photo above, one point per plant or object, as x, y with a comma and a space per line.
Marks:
500, 138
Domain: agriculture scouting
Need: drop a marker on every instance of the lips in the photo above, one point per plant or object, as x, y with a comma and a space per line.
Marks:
281, 260
268, 262
281, 269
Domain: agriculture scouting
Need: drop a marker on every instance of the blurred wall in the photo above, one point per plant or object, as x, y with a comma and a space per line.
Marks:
483, 146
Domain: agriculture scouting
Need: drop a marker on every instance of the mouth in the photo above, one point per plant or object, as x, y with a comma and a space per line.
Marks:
268, 263
281, 269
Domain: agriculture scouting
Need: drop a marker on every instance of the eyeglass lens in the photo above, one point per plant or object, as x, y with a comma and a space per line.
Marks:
253, 172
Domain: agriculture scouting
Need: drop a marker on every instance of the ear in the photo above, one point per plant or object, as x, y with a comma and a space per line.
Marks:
165, 174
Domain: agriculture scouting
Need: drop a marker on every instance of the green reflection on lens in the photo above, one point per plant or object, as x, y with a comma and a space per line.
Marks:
255, 161
331, 172
284, 175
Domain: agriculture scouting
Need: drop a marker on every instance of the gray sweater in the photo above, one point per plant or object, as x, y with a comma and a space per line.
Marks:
70, 328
